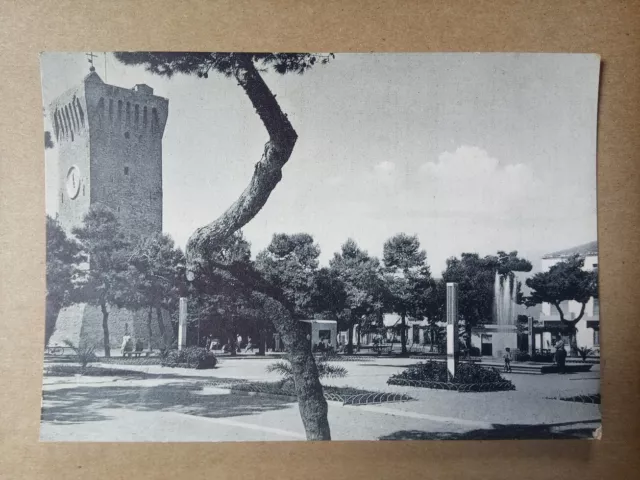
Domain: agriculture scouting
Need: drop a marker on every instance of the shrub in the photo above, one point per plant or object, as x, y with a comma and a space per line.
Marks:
542, 357
84, 355
584, 352
466, 374
325, 369
474, 351
521, 356
191, 357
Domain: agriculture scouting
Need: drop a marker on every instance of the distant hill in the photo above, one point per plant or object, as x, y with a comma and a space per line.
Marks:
590, 248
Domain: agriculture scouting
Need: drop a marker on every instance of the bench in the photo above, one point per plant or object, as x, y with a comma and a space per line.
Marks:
136, 354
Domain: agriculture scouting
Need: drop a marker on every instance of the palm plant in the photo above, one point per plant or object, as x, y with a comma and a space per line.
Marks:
584, 352
84, 355
325, 369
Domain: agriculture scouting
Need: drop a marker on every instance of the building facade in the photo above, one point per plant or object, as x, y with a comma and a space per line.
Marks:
588, 328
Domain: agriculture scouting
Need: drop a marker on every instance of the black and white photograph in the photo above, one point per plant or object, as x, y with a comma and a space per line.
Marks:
248, 247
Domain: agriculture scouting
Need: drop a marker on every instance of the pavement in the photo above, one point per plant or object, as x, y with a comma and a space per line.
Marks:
175, 404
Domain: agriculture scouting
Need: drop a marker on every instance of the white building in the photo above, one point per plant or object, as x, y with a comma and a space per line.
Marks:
588, 328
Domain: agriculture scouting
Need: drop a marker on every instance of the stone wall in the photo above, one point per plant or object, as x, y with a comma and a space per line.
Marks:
82, 324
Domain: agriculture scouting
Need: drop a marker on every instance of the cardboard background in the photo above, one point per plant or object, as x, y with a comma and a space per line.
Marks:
607, 27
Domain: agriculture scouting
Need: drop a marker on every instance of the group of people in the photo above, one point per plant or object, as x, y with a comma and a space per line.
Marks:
559, 358
128, 344
213, 344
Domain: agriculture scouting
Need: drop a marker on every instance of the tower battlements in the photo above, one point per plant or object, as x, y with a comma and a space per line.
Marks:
97, 104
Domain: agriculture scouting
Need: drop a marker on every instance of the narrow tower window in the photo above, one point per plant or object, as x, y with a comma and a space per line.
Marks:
137, 114
111, 109
155, 121
76, 119
101, 106
119, 109
126, 170
69, 111
80, 111
144, 117
128, 112
65, 126
56, 125
68, 119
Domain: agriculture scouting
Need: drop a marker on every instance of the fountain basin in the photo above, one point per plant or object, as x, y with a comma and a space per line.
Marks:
492, 340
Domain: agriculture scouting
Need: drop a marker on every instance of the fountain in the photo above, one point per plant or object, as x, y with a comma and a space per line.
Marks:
502, 333
504, 300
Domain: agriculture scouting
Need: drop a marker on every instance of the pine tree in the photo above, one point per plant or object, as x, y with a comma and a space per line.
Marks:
64, 256
246, 68
107, 280
408, 279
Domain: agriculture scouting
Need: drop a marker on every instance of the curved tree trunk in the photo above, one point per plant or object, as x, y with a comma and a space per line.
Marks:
311, 401
149, 318
105, 329
262, 336
161, 327
206, 240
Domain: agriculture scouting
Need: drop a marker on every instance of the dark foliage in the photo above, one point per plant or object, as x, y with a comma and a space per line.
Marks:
201, 63
466, 373
89, 371
190, 357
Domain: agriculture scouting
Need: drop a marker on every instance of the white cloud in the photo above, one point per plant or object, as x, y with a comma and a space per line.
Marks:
469, 181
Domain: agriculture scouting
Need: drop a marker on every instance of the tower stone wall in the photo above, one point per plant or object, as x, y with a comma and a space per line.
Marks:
109, 142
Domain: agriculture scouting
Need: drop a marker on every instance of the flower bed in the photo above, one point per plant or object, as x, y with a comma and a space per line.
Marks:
71, 370
131, 361
470, 377
346, 395
593, 399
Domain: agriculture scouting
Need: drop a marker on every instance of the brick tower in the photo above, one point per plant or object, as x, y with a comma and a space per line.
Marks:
109, 142
110, 152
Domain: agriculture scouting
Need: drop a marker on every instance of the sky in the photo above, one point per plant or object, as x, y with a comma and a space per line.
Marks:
470, 152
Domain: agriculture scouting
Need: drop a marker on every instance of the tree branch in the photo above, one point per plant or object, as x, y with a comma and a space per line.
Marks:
253, 281
267, 173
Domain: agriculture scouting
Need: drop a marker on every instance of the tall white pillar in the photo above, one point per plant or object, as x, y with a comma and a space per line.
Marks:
452, 328
182, 324
532, 336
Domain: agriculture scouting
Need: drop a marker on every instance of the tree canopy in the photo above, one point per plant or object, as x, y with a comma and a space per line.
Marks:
407, 278
475, 276
64, 256
360, 277
107, 280
564, 281
290, 263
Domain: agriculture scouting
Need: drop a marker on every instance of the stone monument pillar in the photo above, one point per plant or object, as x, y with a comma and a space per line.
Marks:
182, 324
532, 336
452, 328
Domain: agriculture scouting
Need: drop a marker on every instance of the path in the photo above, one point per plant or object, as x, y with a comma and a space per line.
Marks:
177, 406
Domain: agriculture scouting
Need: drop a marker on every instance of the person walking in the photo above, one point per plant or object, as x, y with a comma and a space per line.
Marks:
560, 357
249, 345
507, 360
